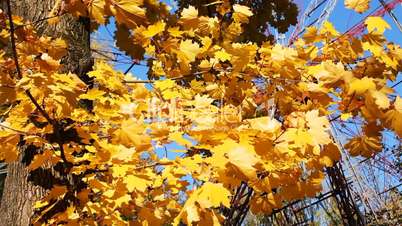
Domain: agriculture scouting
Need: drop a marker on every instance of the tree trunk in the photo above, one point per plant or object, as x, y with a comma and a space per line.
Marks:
19, 195
22, 189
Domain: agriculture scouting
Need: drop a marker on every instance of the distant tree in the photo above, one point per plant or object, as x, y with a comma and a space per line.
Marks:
279, 14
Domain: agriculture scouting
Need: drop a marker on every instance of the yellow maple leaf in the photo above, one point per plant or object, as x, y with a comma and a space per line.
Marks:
175, 31
329, 155
346, 116
376, 24
124, 154
96, 10
223, 55
265, 204
364, 145
136, 183
213, 195
92, 94
360, 86
281, 53
40, 159
190, 214
299, 137
168, 88
381, 99
154, 29
189, 13
359, 6
57, 191
128, 12
131, 6
241, 155
7, 94
318, 127
39, 204
327, 72
311, 35
164, 84
241, 13
265, 124
393, 117
8, 146
398, 104
189, 50
131, 134
209, 195
189, 17
58, 50
47, 63
202, 101
328, 29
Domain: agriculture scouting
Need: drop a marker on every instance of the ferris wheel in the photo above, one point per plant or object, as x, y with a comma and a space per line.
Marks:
316, 12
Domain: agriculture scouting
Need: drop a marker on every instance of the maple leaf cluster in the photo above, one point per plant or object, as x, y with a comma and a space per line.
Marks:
107, 159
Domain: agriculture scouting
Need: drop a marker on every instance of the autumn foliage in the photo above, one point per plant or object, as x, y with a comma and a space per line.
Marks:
205, 83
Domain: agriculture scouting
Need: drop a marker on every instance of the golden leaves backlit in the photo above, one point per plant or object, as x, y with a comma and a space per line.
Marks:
229, 130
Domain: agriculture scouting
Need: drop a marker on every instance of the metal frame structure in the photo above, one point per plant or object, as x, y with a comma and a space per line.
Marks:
315, 14
352, 191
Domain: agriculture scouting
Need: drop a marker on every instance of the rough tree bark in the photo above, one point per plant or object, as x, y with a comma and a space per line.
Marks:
22, 189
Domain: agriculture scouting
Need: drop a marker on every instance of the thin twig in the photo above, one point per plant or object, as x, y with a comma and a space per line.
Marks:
396, 84
151, 165
43, 112
14, 49
62, 153
38, 21
152, 81
131, 66
140, 81
203, 72
12, 129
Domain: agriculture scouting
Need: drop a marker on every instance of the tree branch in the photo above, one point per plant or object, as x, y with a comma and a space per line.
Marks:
17, 67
